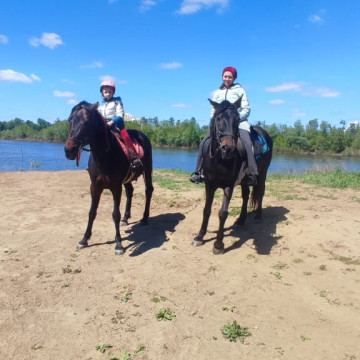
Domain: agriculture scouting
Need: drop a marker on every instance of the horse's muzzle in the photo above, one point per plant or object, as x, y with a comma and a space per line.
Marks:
227, 152
71, 149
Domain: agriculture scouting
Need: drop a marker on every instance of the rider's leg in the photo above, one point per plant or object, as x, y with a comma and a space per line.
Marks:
135, 161
197, 176
252, 170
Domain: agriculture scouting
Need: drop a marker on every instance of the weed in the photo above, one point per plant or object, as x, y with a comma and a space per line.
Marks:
127, 297
165, 314
65, 285
277, 275
140, 350
280, 266
226, 308
235, 332
307, 273
125, 355
303, 337
322, 267
103, 348
157, 299
297, 260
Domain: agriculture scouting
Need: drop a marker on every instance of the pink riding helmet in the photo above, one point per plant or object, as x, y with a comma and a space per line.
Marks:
107, 83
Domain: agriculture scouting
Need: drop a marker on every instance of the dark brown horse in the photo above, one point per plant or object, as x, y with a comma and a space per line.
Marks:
109, 167
222, 166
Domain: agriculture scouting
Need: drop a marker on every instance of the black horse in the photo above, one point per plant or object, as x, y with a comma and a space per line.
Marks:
223, 167
109, 166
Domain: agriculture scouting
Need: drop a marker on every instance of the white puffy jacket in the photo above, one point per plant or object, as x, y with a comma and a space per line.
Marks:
232, 94
112, 108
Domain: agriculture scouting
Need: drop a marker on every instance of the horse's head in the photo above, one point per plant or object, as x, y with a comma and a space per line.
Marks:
225, 129
79, 131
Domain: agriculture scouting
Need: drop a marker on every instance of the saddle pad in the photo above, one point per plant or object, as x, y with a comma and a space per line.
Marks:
138, 148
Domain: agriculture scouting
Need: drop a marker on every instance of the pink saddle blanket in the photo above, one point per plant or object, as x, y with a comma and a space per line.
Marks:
138, 148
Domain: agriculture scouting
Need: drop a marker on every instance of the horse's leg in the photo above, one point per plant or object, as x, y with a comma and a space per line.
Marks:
129, 190
149, 188
199, 239
245, 192
223, 214
119, 250
257, 197
95, 191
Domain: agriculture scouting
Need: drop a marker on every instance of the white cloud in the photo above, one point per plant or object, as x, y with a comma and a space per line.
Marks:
50, 40
14, 76
178, 105
4, 39
304, 89
72, 102
68, 81
193, 6
296, 113
325, 92
58, 93
172, 65
146, 5
288, 86
316, 19
95, 64
277, 102
35, 77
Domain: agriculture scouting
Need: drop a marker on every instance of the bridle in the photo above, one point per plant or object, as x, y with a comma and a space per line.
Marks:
219, 135
85, 141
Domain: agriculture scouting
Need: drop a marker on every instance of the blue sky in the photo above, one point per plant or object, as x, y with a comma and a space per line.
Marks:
297, 59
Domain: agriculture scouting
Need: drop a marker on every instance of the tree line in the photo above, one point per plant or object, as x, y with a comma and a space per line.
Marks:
313, 138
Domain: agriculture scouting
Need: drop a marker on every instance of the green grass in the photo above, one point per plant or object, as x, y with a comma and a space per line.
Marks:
336, 179
172, 179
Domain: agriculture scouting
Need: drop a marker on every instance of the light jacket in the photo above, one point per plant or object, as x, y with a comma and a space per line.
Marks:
232, 94
113, 110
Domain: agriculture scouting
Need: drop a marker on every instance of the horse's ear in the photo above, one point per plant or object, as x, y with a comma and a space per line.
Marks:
213, 103
95, 106
237, 103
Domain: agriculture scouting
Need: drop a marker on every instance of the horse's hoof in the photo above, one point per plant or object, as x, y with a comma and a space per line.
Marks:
198, 243
218, 251
124, 223
80, 246
144, 222
119, 251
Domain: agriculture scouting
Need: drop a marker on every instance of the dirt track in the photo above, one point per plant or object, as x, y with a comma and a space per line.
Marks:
292, 280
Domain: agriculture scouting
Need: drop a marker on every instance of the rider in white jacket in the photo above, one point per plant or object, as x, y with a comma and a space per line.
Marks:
232, 92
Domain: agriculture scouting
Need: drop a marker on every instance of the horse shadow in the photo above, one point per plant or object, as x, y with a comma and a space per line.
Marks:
147, 237
263, 232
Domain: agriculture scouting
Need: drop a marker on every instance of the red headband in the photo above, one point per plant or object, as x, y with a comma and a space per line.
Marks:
232, 70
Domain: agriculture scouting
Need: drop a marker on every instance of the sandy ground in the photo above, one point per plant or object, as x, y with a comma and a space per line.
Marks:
293, 280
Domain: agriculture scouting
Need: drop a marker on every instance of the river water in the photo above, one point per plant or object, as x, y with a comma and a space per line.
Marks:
25, 156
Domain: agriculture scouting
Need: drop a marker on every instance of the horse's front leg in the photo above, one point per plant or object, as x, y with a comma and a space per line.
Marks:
129, 190
245, 193
95, 191
199, 239
223, 214
119, 250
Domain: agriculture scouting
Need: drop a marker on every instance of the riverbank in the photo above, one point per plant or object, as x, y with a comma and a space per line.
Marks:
291, 280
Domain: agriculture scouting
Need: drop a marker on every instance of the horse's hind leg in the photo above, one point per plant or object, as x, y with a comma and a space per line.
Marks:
95, 199
148, 193
199, 238
129, 190
119, 250
223, 214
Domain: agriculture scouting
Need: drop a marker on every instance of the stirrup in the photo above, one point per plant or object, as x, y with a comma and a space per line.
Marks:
196, 178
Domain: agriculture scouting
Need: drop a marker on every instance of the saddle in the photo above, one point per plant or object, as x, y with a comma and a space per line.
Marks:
134, 172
